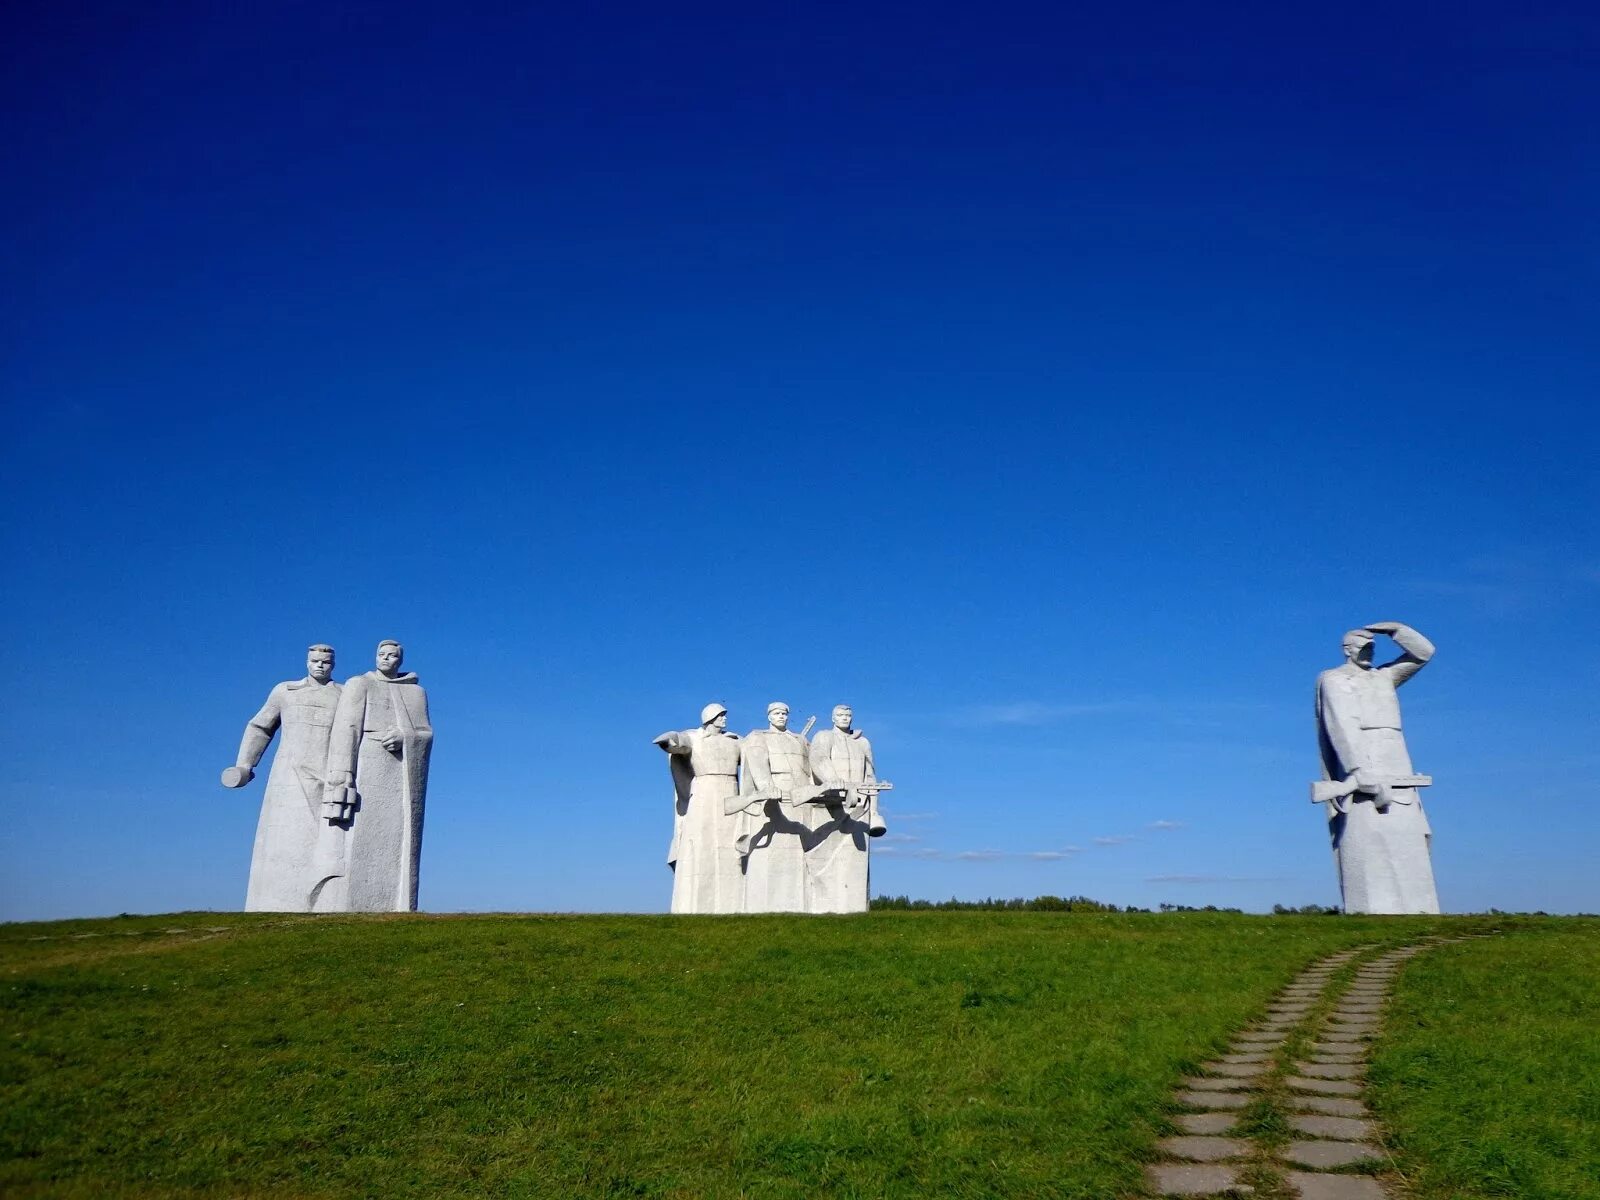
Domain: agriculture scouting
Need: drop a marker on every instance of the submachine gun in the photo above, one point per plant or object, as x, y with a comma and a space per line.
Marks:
1382, 790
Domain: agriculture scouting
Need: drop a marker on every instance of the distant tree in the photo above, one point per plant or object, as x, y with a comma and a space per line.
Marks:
1306, 910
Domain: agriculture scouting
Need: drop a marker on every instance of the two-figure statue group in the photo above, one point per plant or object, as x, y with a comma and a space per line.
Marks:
771, 822
766, 823
341, 821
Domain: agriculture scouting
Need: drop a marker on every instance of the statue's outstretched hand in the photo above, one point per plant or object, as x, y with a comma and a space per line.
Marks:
237, 777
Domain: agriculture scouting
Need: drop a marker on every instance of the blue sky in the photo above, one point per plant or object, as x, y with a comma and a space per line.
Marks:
1053, 386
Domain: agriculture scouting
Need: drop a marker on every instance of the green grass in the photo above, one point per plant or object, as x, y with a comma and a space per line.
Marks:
887, 1055
1488, 1075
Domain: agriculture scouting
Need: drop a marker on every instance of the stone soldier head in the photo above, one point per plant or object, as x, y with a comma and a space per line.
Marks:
390, 655
842, 717
319, 662
715, 716
1358, 648
778, 715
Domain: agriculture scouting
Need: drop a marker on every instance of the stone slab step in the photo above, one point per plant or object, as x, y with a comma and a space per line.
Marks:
1211, 1149
1327, 1155
1308, 1185
1234, 1070
1207, 1124
1208, 1083
1246, 1059
1324, 1087
1189, 1179
1329, 1070
1214, 1100
1343, 1129
1331, 1106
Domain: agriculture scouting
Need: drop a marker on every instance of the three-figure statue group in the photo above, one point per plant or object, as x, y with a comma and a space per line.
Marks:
771, 822
341, 821
765, 823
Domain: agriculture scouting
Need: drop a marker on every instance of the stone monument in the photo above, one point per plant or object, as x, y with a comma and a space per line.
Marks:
706, 875
782, 811
1380, 833
285, 875
378, 783
837, 862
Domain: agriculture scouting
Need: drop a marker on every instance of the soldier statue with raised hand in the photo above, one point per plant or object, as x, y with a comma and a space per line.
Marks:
705, 777
284, 873
841, 758
1380, 833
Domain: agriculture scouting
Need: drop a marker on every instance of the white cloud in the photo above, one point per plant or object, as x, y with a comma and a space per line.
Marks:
1166, 825
1118, 839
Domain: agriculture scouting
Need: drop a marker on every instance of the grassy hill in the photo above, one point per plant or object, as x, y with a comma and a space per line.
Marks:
910, 1054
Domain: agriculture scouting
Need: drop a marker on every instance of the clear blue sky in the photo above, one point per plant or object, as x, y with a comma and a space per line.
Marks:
1054, 386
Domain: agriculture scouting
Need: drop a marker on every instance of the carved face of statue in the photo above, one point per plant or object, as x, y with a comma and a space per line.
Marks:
719, 722
841, 718
319, 665
390, 656
778, 717
1358, 651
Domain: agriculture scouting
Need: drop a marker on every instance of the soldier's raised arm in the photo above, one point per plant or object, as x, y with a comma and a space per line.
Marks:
673, 742
1418, 650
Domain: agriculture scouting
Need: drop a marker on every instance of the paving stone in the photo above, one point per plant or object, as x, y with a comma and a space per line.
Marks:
1348, 1038
1288, 1012
1259, 1039
1352, 1024
1359, 1006
1324, 1087
1258, 1057
1213, 1123
1211, 1149
1325, 1155
1329, 1106
1344, 1129
1310, 1186
1188, 1179
1335, 1056
1205, 1083
1330, 1070
1235, 1070
1216, 1100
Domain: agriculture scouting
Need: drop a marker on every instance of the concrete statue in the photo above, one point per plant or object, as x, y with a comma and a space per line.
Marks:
378, 784
837, 862
1380, 834
782, 809
706, 875
285, 874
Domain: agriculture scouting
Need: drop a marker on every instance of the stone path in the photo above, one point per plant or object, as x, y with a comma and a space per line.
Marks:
1301, 1067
